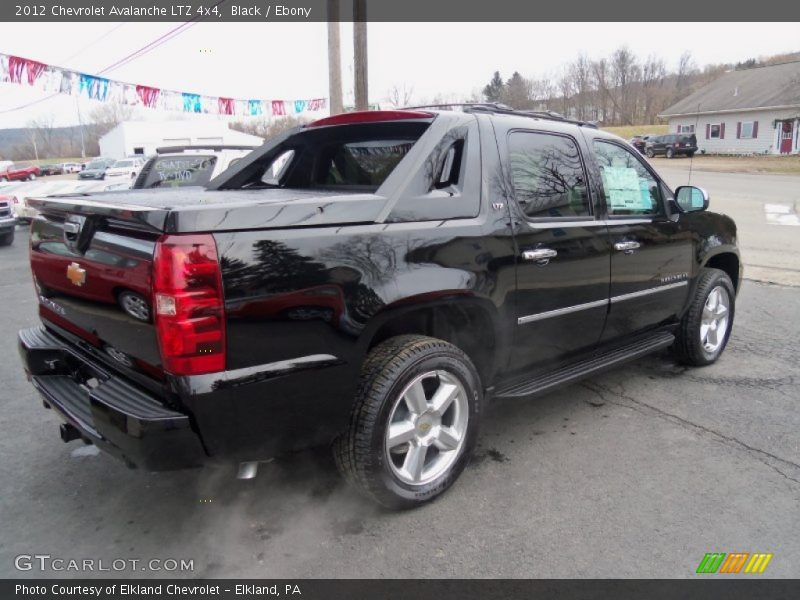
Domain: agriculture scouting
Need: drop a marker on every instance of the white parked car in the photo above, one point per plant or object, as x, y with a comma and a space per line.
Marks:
71, 167
126, 167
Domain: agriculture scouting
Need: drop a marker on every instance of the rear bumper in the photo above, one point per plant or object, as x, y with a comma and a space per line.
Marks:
109, 412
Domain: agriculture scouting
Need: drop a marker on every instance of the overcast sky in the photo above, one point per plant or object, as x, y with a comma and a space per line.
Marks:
289, 61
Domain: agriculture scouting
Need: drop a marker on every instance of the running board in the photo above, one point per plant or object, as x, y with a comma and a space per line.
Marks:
583, 368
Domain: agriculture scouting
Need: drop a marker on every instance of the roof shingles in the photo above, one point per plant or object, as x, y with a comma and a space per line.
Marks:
760, 87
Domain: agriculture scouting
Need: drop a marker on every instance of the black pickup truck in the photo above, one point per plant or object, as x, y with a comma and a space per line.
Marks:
369, 281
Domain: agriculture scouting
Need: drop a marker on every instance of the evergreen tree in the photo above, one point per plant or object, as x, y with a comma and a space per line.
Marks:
494, 90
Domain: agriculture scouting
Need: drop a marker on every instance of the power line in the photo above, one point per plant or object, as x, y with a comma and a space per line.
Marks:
171, 34
90, 44
129, 58
70, 57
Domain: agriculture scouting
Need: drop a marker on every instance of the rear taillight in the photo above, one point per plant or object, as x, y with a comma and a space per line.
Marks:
189, 305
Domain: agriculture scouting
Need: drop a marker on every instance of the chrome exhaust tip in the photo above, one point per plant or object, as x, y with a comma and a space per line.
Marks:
247, 470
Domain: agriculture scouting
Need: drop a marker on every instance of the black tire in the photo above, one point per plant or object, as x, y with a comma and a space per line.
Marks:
688, 347
670, 153
690, 154
650, 153
7, 238
360, 452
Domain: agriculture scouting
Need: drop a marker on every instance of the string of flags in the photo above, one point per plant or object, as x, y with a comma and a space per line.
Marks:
52, 79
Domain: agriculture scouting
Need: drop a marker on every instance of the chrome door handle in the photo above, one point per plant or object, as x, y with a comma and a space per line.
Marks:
542, 256
627, 247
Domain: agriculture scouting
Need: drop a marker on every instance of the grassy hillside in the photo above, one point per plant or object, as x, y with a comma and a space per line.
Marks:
628, 131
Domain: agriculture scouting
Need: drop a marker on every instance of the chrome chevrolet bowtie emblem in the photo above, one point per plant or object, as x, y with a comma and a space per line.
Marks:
76, 274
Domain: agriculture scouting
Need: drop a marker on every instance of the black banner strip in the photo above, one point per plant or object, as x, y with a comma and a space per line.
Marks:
444, 11
702, 588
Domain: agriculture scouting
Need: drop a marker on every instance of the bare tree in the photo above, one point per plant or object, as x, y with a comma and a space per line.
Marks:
268, 128
580, 74
32, 134
654, 73
108, 115
400, 95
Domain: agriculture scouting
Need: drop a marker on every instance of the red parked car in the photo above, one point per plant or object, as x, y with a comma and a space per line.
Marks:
10, 172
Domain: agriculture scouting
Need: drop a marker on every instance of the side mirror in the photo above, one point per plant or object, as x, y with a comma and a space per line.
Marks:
691, 199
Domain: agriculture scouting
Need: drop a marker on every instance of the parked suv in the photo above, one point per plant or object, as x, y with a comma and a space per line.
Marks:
370, 281
640, 141
7, 221
672, 145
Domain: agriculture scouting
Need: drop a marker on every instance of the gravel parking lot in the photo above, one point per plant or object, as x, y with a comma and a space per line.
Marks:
636, 473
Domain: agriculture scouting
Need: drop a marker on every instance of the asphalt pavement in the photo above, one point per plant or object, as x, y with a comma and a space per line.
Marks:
635, 473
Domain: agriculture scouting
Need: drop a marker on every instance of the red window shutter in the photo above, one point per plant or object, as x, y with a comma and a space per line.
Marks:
755, 129
738, 130
708, 130
722, 131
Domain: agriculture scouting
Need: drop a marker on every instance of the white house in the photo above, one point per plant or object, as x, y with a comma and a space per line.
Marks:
752, 111
131, 138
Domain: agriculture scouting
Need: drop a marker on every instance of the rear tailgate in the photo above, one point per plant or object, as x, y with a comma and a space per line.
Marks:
92, 268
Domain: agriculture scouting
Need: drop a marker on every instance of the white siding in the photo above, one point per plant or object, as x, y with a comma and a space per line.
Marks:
149, 135
767, 139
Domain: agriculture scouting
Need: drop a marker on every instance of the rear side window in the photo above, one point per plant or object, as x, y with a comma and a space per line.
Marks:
364, 163
628, 186
177, 171
548, 176
357, 157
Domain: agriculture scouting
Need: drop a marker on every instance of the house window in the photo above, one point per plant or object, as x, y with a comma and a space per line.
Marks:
748, 129
685, 128
714, 132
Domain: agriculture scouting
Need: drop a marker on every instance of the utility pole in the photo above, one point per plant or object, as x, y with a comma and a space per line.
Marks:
360, 53
334, 59
80, 127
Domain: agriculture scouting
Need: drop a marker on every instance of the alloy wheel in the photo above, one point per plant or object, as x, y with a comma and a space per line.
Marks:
715, 319
427, 427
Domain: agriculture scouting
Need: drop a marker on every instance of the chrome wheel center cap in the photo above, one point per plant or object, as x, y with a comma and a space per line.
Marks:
425, 426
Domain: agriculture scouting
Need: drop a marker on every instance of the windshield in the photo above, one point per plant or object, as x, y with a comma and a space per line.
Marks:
96, 164
123, 163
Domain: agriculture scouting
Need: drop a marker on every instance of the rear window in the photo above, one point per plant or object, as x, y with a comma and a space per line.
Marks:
687, 139
177, 171
349, 157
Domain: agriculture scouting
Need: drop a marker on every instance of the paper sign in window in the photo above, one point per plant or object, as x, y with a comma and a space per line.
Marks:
624, 189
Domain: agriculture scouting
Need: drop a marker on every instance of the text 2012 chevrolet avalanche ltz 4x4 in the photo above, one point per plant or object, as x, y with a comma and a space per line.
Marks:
369, 281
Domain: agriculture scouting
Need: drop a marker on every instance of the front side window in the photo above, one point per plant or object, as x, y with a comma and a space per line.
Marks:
628, 187
547, 175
